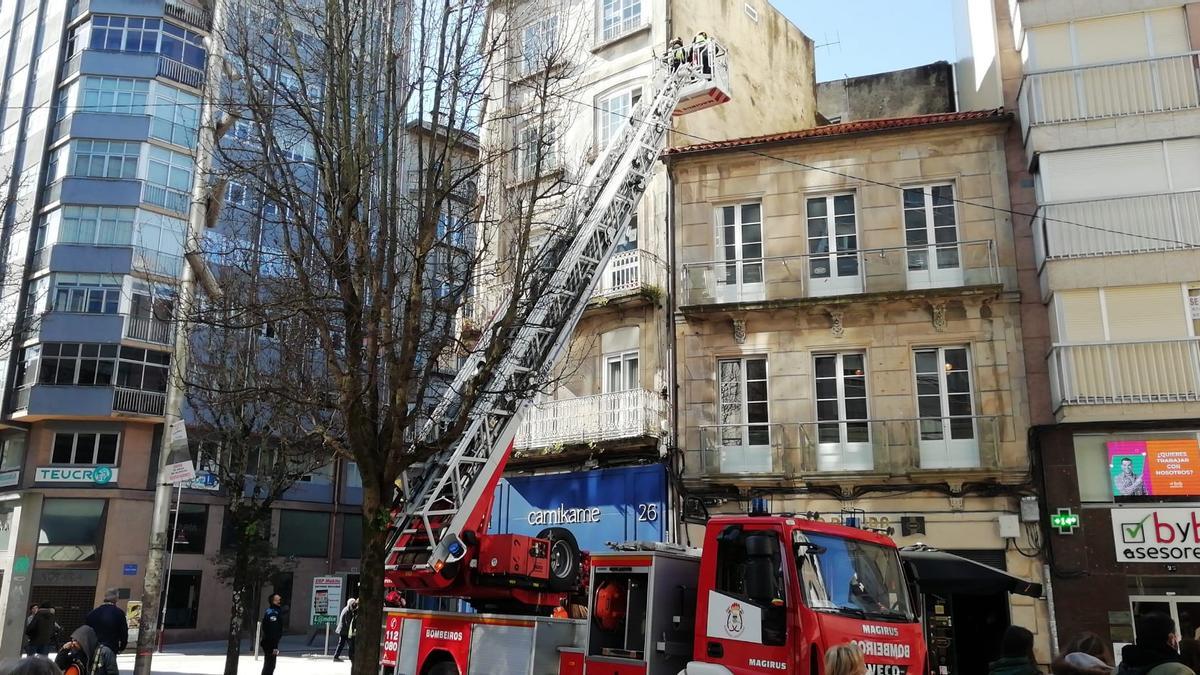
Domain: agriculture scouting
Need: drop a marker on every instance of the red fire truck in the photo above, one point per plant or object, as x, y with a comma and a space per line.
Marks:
765, 594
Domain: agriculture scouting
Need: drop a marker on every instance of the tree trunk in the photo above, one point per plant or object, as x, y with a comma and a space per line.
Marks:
237, 612
369, 629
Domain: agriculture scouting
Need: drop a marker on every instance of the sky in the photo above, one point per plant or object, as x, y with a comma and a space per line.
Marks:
873, 35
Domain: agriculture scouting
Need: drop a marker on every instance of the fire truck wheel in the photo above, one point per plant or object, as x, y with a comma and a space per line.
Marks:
565, 558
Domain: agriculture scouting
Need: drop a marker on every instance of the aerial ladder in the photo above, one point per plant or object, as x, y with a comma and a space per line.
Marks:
438, 542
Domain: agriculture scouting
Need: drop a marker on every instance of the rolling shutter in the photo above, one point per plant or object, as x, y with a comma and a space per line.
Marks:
1102, 173
1145, 313
1112, 38
1079, 316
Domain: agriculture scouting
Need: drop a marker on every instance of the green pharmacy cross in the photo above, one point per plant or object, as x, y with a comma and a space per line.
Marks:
1064, 521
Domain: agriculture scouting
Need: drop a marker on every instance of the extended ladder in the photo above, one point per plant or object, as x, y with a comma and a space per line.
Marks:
439, 496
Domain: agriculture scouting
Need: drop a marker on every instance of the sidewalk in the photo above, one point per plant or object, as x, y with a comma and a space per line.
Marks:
208, 658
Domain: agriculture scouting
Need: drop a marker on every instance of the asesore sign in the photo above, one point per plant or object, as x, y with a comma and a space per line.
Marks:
1155, 468
1156, 535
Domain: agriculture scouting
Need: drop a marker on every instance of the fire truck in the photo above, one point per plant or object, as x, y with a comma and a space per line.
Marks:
764, 594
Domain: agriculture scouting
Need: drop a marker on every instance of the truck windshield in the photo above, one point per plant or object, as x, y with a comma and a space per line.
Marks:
856, 577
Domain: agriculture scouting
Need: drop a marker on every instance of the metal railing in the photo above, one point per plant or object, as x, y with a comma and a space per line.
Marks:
466, 189
900, 268
629, 271
173, 200
157, 263
189, 14
1109, 90
585, 419
180, 72
1150, 371
902, 446
1158, 222
139, 402
71, 66
147, 329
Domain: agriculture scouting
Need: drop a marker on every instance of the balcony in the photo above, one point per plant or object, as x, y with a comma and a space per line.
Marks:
1110, 90
1105, 373
815, 451
188, 14
175, 201
180, 72
138, 402
1120, 226
881, 270
629, 272
622, 415
465, 190
146, 329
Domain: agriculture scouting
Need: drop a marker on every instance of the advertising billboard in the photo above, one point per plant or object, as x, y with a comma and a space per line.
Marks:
598, 506
1158, 468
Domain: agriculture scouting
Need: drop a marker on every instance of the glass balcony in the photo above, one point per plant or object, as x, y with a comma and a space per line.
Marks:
1152, 371
1109, 90
593, 419
880, 270
814, 450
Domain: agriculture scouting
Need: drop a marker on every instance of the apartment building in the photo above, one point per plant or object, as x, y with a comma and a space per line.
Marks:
1107, 158
611, 408
99, 105
849, 344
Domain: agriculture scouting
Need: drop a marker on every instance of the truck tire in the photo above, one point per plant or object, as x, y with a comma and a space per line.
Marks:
565, 558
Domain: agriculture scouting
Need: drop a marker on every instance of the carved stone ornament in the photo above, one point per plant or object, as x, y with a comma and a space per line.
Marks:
838, 329
739, 331
939, 316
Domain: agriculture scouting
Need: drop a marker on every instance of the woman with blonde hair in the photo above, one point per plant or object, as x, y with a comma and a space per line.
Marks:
845, 659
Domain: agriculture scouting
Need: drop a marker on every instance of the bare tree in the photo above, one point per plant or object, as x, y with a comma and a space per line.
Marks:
353, 142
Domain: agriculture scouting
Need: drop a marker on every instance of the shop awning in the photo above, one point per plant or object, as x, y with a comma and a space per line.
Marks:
940, 571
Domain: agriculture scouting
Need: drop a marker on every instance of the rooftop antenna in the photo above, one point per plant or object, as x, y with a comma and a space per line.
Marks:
826, 42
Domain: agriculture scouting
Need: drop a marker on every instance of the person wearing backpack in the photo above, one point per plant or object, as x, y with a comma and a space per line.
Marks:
41, 629
84, 655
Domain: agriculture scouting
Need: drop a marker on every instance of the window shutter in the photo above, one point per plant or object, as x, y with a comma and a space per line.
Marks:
1170, 32
1079, 315
1050, 46
1183, 156
1145, 312
1101, 173
1112, 38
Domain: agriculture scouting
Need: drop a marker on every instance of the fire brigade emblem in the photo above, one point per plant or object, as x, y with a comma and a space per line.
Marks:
733, 619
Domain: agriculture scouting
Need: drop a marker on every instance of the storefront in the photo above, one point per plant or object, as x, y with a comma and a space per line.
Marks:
599, 506
1126, 536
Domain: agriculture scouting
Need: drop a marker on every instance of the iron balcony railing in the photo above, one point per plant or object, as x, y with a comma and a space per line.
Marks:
811, 450
1148, 371
188, 14
587, 419
139, 402
878, 270
1117, 226
630, 271
180, 72
1109, 90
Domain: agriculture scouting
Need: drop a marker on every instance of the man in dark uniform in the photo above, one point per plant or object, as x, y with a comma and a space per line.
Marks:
272, 631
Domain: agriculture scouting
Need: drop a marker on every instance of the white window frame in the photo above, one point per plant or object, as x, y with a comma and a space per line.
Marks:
614, 24
738, 453
113, 95
732, 271
928, 264
613, 111
539, 41
842, 454
178, 168
835, 257
85, 288
108, 225
528, 141
626, 361
938, 446
118, 159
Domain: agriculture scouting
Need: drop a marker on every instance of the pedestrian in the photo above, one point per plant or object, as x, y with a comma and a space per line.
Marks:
272, 632
1153, 652
344, 629
29, 666
1016, 654
33, 609
41, 630
845, 659
1189, 653
84, 654
109, 622
1087, 654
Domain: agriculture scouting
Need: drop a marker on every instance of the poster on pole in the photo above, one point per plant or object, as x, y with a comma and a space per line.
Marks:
326, 600
180, 469
133, 618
